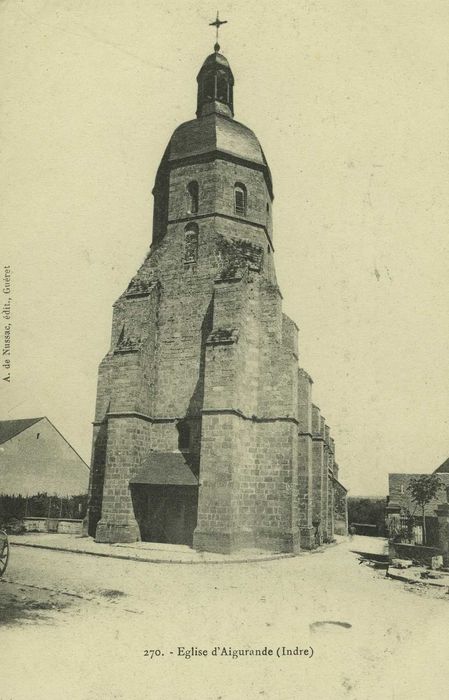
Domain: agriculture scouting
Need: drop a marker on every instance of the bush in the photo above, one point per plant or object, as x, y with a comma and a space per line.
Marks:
13, 526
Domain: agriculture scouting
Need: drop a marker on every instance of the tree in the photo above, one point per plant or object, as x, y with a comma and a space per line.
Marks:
368, 511
424, 489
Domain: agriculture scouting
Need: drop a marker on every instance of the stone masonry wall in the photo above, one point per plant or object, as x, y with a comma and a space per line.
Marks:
128, 443
216, 180
305, 456
317, 466
340, 509
249, 482
324, 479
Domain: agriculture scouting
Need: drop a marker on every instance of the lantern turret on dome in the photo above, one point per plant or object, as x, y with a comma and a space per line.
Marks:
215, 86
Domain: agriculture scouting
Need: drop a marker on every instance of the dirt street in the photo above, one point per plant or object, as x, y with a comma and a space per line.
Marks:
77, 626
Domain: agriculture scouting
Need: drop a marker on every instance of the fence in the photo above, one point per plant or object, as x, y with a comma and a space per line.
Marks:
41, 505
409, 529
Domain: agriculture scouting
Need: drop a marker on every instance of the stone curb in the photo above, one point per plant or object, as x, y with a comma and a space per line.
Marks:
153, 560
426, 582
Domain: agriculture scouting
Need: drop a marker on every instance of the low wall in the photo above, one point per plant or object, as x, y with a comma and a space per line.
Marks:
415, 552
61, 525
366, 529
72, 527
35, 524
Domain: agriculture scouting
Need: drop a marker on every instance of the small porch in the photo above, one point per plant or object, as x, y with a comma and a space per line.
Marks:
165, 499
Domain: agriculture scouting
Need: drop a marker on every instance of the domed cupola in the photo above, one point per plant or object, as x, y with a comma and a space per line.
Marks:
215, 86
185, 175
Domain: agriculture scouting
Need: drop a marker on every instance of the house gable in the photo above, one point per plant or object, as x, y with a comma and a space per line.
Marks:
39, 459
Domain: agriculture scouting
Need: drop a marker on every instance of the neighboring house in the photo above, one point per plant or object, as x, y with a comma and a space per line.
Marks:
400, 505
399, 495
36, 458
443, 468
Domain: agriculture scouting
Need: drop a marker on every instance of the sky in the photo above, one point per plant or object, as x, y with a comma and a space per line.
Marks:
350, 102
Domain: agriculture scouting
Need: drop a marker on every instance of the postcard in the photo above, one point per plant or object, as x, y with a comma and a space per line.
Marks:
224, 384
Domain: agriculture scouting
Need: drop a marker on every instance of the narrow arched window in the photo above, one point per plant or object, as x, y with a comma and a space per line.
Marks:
193, 191
191, 243
240, 199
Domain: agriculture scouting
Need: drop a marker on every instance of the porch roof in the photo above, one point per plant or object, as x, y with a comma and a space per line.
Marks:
165, 469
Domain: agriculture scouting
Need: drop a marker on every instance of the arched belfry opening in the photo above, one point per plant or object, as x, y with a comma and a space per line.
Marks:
193, 194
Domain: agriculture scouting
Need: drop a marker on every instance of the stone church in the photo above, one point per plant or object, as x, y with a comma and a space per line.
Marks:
205, 433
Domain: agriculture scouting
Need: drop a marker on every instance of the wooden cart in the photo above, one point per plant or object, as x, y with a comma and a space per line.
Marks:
4, 552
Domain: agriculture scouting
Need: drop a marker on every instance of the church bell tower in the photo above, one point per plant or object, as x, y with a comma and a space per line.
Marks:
196, 426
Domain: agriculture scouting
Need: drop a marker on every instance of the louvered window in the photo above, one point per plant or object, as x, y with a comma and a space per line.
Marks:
191, 243
240, 199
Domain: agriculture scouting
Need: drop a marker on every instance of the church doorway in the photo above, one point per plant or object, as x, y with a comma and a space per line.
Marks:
166, 513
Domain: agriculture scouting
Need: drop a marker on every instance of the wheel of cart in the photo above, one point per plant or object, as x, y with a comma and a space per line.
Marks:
4, 552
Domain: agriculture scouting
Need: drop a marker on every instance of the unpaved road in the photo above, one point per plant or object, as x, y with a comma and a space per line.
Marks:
75, 626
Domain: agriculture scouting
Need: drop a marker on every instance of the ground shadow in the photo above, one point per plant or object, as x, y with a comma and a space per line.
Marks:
20, 605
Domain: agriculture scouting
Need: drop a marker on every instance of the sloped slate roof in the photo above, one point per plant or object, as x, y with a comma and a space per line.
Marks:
215, 132
216, 59
11, 428
165, 469
443, 468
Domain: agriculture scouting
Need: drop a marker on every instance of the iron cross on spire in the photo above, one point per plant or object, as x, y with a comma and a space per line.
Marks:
217, 24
